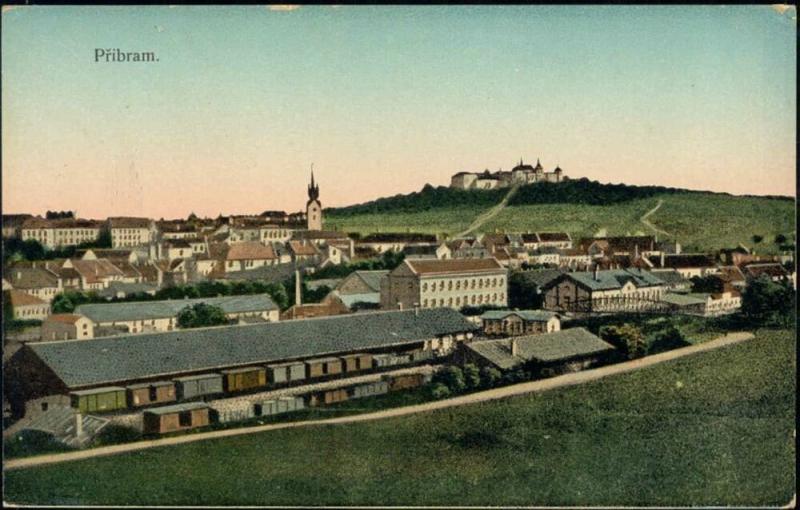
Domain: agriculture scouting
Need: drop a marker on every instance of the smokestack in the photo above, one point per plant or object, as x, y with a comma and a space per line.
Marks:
298, 289
514, 347
662, 259
636, 251
78, 424
594, 271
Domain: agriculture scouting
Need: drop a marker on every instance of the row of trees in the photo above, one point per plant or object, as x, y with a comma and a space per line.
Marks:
15, 249
388, 261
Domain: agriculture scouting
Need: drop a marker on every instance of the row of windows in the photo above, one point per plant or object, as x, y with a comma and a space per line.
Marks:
118, 231
274, 234
466, 284
468, 300
27, 312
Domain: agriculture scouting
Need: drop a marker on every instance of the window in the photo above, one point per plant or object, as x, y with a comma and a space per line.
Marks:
153, 394
44, 406
424, 287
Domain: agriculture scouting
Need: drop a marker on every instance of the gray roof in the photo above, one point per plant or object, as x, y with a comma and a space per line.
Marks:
545, 348
615, 279
94, 391
327, 282
366, 297
177, 408
126, 288
130, 357
528, 315
541, 277
373, 278
683, 299
671, 277
144, 310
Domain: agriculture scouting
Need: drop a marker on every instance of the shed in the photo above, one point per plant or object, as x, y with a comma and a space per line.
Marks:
108, 398
177, 417
240, 379
151, 393
198, 385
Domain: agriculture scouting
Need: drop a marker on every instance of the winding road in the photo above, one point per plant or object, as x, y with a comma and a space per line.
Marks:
647, 223
482, 396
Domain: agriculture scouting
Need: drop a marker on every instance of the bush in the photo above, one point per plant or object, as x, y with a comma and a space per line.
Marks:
769, 303
201, 315
117, 434
452, 377
490, 377
472, 376
439, 391
666, 340
32, 442
627, 338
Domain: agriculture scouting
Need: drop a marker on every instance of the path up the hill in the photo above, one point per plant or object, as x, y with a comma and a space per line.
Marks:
488, 215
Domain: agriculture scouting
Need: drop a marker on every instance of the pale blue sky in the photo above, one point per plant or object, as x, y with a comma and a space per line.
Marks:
385, 99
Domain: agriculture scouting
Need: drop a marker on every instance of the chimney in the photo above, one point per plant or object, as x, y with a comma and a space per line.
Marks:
78, 424
662, 259
298, 289
594, 272
636, 251
514, 347
416, 309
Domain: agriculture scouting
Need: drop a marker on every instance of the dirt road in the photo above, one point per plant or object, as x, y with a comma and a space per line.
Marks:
488, 215
483, 396
647, 223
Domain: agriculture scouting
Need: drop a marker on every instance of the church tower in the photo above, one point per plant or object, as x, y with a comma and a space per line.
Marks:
313, 206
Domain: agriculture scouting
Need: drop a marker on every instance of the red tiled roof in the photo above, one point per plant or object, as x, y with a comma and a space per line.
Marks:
250, 250
19, 298
300, 248
67, 318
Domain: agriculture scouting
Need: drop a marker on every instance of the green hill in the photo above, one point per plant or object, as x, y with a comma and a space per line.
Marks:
713, 429
699, 220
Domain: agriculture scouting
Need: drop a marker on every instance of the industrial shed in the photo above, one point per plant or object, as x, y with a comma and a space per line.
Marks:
161, 420
562, 351
58, 368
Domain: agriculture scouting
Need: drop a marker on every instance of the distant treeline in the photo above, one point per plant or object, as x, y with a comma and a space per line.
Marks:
573, 191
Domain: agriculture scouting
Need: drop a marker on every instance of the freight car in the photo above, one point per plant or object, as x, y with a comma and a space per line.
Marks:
198, 385
109, 398
151, 393
243, 379
357, 362
279, 406
287, 372
161, 420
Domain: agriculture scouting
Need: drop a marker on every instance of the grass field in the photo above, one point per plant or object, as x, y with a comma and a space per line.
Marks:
698, 221
713, 429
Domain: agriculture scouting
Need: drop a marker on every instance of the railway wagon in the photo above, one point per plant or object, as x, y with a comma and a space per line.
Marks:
390, 360
242, 379
421, 355
279, 406
402, 382
151, 393
328, 397
109, 398
356, 362
286, 372
161, 420
368, 390
198, 385
321, 367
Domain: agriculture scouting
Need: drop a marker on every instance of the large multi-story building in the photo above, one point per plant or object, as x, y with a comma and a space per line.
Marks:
520, 174
453, 283
58, 233
604, 291
130, 232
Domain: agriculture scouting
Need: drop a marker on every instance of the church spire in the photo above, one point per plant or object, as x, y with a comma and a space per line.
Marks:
313, 188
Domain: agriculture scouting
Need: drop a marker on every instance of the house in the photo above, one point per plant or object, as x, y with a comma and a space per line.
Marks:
249, 255
674, 281
67, 326
633, 246
396, 241
12, 224
58, 233
178, 249
36, 281
94, 274
467, 249
442, 251
303, 251
687, 264
131, 232
614, 290
547, 354
574, 258
519, 322
362, 287
148, 316
545, 255
25, 306
772, 270
732, 277
453, 283
42, 371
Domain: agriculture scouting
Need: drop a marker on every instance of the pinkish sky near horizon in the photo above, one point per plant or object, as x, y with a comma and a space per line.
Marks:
383, 100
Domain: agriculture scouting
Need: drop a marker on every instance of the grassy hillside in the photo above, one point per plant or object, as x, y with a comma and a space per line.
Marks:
712, 429
698, 220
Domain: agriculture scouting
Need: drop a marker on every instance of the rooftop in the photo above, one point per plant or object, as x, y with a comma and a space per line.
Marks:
426, 266
124, 358
144, 310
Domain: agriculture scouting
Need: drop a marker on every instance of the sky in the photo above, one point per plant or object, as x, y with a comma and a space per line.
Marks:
384, 99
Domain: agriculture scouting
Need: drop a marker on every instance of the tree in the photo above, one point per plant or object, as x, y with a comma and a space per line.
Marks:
201, 315
709, 283
780, 239
757, 238
523, 292
768, 303
627, 338
62, 304
666, 340
472, 376
490, 376
278, 294
439, 391
452, 377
